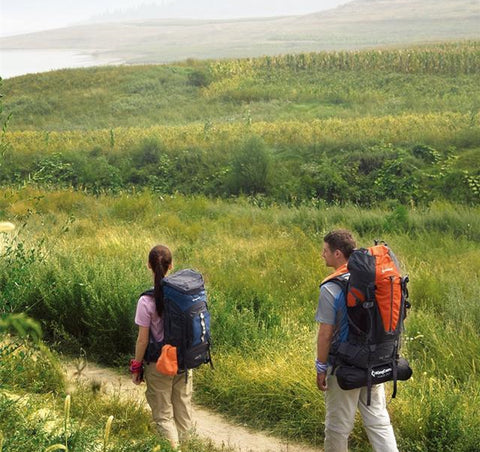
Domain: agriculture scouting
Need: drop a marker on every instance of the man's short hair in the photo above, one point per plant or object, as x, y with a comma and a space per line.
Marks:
342, 240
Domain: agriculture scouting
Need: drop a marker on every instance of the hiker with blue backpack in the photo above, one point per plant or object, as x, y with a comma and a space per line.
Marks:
173, 338
360, 319
169, 397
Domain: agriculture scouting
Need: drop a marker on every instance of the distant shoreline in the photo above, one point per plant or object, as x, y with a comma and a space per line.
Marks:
17, 62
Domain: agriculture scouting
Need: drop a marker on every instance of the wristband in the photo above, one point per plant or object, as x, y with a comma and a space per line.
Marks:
135, 366
321, 367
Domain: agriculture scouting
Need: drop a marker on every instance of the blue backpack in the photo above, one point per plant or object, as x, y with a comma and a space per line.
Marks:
186, 318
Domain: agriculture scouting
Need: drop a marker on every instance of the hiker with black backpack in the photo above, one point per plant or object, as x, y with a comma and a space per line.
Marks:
341, 404
169, 396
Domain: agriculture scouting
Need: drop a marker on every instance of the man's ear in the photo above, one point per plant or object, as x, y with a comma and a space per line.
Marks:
338, 254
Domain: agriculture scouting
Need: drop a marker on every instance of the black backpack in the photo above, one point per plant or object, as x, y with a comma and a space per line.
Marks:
376, 296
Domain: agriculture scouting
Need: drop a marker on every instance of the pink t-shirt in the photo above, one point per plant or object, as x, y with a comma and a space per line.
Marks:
146, 315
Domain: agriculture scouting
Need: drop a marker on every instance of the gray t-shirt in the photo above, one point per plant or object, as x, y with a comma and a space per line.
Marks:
332, 310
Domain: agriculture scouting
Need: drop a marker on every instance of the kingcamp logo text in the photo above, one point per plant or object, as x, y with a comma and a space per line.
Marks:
381, 373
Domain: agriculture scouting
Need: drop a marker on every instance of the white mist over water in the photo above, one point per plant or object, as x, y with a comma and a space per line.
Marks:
21, 62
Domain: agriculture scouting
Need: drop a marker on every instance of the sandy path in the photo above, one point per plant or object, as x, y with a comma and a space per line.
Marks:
208, 424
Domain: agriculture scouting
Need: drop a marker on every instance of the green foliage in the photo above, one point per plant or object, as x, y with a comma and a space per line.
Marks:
85, 421
384, 143
445, 423
32, 424
325, 180
426, 153
199, 78
396, 179
251, 168
449, 58
262, 266
28, 367
305, 87
19, 262
52, 170
150, 166
239, 161
21, 325
36, 415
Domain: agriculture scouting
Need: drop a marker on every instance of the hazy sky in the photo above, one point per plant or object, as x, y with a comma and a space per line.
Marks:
23, 16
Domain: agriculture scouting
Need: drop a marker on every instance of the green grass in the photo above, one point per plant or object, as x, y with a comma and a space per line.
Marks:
403, 122
262, 266
441, 78
39, 410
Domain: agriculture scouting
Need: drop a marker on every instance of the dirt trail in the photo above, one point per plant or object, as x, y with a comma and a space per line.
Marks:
208, 424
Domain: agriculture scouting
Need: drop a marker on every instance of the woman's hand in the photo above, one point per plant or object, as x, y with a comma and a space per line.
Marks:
136, 369
137, 377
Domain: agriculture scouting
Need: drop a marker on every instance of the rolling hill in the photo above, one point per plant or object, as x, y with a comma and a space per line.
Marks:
357, 24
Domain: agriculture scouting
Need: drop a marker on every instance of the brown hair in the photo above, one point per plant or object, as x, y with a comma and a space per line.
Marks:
160, 260
342, 240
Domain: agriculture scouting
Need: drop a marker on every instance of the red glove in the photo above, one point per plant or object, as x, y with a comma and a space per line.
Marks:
135, 366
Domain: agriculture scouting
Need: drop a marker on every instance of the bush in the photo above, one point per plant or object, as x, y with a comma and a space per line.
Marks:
251, 168
199, 78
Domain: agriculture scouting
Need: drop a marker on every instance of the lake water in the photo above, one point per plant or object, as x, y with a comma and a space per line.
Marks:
20, 62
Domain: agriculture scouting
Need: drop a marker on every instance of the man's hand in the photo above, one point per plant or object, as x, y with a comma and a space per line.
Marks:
322, 381
324, 340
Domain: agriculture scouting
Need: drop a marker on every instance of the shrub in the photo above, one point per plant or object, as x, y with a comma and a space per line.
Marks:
251, 167
199, 78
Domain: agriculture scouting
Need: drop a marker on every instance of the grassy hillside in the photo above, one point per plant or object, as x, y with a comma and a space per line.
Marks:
358, 24
305, 87
404, 121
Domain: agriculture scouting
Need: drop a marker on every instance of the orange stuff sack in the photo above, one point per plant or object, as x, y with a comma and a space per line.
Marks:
167, 363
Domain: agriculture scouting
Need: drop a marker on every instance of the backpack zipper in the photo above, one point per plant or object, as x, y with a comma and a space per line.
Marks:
204, 327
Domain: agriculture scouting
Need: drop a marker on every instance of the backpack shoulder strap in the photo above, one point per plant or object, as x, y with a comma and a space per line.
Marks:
147, 292
339, 276
339, 281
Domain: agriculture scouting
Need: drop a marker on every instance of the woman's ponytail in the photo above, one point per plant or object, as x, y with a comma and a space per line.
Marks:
160, 260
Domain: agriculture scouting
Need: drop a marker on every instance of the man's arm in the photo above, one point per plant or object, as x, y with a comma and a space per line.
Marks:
324, 340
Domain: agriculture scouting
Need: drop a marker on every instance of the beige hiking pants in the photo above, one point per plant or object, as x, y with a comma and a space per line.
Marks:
341, 407
170, 401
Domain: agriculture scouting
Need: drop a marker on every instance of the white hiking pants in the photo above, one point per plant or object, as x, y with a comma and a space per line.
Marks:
341, 407
170, 401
